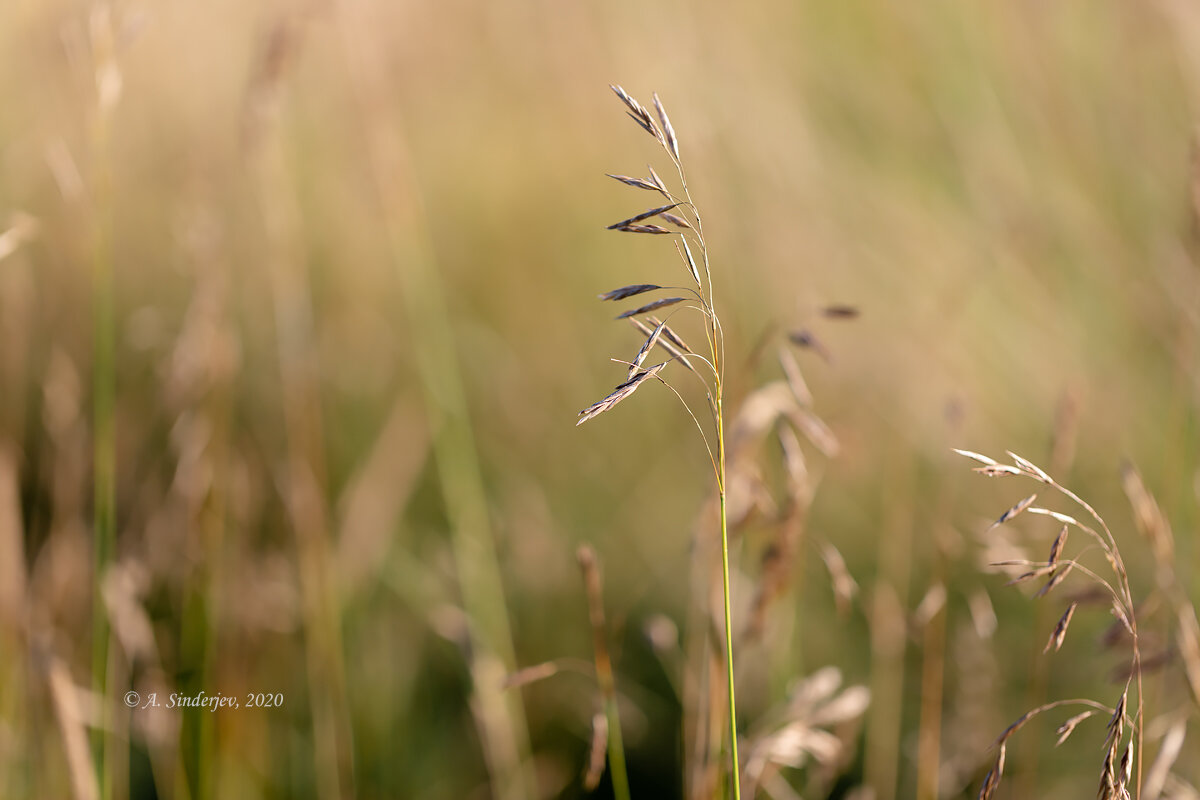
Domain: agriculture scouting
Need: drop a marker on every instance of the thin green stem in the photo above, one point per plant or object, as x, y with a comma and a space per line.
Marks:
616, 750
737, 783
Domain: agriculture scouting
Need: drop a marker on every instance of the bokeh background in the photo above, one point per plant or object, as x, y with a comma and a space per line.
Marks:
297, 308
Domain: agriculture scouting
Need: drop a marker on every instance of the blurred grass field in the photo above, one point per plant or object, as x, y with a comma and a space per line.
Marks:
353, 251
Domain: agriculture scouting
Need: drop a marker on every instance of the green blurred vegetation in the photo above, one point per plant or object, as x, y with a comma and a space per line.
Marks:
354, 250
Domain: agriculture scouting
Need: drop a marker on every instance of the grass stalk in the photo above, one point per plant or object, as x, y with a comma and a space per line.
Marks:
686, 227
736, 777
604, 671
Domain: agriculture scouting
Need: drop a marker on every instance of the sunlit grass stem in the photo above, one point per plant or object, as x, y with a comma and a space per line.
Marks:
644, 223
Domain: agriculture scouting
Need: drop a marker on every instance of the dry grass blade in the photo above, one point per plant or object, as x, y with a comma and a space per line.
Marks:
629, 291
672, 143
1012, 512
657, 304
1060, 630
639, 183
620, 393
653, 212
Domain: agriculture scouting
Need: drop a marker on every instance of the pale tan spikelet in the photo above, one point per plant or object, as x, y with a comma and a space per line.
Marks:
794, 377
620, 393
983, 615
672, 336
657, 304
996, 470
653, 212
808, 340
794, 463
655, 229
636, 364
1120, 614
665, 341
976, 456
532, 674
839, 312
597, 752
1111, 786
1012, 512
657, 181
629, 291
1055, 579
992, 780
1148, 516
23, 228
678, 222
640, 183
1026, 576
1068, 727
1065, 519
815, 430
1059, 543
1116, 723
1127, 764
1189, 647
930, 606
1030, 467
1168, 753
1060, 630
672, 143
844, 586
686, 254
639, 114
